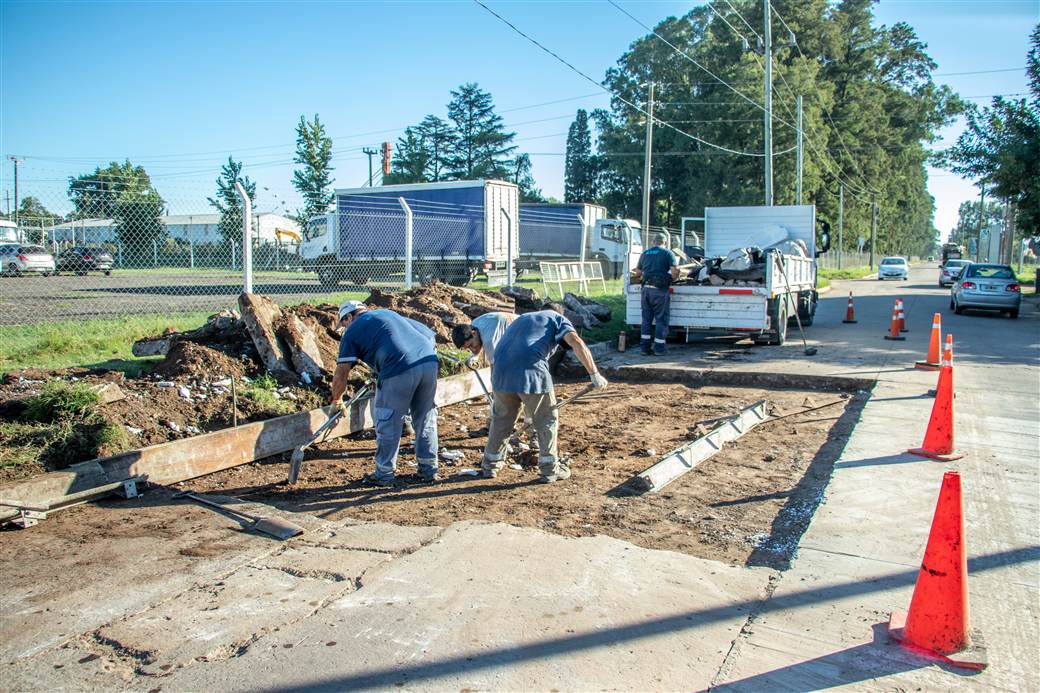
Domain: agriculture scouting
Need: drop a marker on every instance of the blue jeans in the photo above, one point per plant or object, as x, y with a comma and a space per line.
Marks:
654, 305
396, 396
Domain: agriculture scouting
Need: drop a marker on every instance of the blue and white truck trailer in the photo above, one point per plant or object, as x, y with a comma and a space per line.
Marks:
554, 232
459, 229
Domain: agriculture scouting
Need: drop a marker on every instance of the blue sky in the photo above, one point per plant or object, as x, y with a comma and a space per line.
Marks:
177, 86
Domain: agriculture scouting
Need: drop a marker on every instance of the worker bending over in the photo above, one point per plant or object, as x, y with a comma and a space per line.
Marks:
521, 376
483, 334
401, 353
657, 269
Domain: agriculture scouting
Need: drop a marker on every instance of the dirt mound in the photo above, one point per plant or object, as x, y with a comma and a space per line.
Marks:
188, 359
440, 307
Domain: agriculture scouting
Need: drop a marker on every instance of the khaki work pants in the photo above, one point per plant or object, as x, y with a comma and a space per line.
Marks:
539, 407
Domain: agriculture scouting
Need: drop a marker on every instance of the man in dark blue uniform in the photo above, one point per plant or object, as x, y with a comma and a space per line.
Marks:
401, 352
657, 269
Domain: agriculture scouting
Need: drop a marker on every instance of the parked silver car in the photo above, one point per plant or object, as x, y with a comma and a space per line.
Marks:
987, 286
894, 267
949, 272
21, 259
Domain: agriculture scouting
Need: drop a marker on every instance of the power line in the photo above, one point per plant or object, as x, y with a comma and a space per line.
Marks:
615, 96
979, 72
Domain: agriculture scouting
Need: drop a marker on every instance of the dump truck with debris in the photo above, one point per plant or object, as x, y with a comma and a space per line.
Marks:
458, 229
554, 232
759, 267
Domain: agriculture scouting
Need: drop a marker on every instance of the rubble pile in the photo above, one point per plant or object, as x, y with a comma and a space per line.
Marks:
440, 307
741, 267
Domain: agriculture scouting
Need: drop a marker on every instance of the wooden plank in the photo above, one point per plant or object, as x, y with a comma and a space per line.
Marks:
188, 458
684, 458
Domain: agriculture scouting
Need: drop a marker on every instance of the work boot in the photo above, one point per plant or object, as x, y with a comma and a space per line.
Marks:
489, 466
428, 470
406, 427
645, 349
373, 480
659, 350
553, 470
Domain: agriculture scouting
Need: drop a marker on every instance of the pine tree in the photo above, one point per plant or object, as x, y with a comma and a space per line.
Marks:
521, 175
227, 201
482, 149
439, 138
411, 158
314, 180
580, 165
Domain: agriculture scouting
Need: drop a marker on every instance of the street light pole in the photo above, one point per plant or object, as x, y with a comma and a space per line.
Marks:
16, 161
768, 41
647, 167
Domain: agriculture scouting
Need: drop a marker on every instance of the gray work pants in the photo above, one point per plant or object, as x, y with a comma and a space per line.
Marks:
411, 391
539, 407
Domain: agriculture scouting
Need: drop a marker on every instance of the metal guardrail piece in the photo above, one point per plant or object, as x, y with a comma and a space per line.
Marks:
684, 458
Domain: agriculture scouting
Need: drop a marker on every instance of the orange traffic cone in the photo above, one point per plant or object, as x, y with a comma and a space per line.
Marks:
931, 362
902, 315
850, 313
938, 438
893, 329
948, 360
937, 622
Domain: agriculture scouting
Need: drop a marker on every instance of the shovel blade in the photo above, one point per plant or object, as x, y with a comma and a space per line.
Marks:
295, 462
277, 527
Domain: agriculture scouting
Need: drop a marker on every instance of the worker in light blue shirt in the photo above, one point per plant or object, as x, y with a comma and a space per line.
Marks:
401, 353
483, 334
521, 377
657, 270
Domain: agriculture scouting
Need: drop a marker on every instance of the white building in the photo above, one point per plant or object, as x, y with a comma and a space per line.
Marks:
194, 228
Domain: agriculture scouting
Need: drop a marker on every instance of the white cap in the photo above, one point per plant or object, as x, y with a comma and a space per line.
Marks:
348, 307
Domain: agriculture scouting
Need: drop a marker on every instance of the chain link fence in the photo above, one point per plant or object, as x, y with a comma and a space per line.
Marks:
846, 260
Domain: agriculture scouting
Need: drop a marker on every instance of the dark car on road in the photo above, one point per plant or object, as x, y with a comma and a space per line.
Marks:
988, 287
83, 259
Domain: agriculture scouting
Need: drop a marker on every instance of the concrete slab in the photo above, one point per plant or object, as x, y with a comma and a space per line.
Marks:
489, 606
376, 536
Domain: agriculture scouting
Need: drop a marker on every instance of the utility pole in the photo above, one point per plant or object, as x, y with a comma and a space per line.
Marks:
841, 220
798, 104
16, 162
646, 167
982, 212
873, 229
371, 152
768, 41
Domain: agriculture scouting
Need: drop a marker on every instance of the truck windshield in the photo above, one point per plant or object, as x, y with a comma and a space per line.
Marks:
315, 227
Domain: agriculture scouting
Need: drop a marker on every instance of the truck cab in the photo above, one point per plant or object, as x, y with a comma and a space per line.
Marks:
611, 241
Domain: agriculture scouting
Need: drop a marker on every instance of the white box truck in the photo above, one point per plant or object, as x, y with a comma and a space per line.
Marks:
761, 310
554, 232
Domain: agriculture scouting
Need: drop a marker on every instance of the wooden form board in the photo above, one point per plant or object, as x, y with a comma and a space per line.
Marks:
188, 458
684, 458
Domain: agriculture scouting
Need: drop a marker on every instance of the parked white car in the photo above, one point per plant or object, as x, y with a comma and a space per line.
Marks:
894, 267
22, 259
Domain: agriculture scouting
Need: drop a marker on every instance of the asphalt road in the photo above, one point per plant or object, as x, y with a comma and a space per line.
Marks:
34, 299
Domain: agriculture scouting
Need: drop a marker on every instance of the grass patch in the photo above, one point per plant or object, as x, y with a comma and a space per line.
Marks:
825, 276
58, 427
105, 342
263, 394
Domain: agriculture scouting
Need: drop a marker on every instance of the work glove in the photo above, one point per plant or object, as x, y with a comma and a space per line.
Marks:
472, 362
341, 407
598, 381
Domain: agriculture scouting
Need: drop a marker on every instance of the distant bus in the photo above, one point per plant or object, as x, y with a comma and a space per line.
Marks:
8, 232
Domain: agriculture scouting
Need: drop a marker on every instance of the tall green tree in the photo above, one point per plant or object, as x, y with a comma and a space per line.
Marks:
481, 148
521, 175
32, 211
580, 166
967, 228
411, 158
439, 138
1000, 147
227, 201
94, 195
314, 180
870, 109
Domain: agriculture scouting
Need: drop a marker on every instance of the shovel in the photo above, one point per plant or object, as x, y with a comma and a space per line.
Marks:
273, 526
476, 372
581, 393
809, 351
296, 461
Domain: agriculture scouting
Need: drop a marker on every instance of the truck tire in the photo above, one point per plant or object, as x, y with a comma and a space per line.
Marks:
778, 318
328, 276
807, 301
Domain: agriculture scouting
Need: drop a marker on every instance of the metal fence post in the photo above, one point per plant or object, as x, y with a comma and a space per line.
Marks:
509, 247
155, 253
581, 255
408, 231
247, 246
191, 252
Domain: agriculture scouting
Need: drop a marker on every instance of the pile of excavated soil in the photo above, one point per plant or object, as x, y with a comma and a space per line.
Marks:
749, 504
440, 307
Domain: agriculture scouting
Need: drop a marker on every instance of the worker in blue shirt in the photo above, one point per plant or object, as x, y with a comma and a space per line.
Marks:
657, 270
521, 377
401, 353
